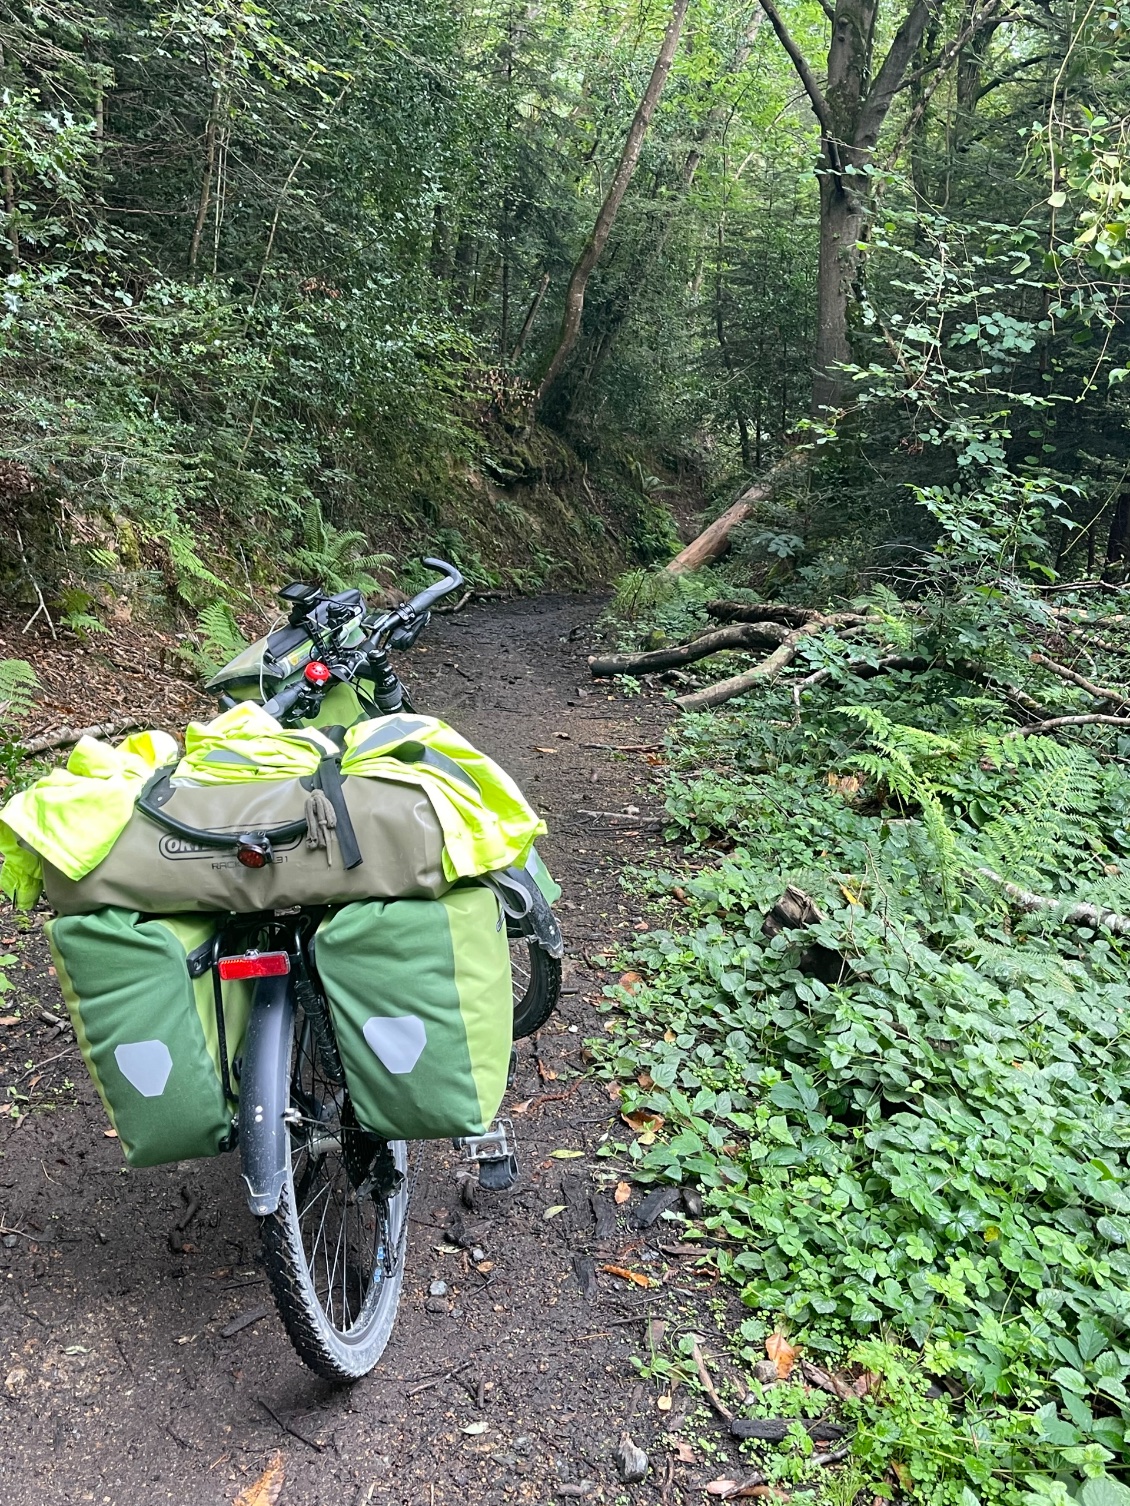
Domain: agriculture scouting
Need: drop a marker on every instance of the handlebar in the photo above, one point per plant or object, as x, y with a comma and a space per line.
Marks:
428, 598
280, 704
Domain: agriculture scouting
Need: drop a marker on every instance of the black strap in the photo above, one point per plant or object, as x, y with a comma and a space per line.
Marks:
149, 804
329, 780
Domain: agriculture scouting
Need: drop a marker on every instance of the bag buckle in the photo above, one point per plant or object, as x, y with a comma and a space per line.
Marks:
494, 1154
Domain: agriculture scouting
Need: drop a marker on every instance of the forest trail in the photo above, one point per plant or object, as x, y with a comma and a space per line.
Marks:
142, 1358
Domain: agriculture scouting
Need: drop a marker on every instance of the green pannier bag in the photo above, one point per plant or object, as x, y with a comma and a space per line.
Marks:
422, 1006
147, 1029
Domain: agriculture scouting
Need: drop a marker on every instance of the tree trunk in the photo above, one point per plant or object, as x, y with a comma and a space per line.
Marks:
850, 110
206, 180
713, 542
625, 171
528, 321
841, 225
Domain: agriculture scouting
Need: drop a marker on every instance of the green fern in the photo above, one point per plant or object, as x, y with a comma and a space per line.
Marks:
219, 634
19, 685
337, 557
897, 763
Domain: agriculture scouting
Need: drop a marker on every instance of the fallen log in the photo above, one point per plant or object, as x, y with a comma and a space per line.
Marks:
713, 542
775, 611
739, 635
1073, 915
768, 669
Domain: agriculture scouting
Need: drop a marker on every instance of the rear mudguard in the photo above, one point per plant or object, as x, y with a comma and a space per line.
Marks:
264, 1092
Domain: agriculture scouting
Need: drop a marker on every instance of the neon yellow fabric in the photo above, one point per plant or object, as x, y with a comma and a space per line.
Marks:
244, 745
73, 816
487, 823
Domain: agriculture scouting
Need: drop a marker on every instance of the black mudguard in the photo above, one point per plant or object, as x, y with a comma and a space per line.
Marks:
264, 1093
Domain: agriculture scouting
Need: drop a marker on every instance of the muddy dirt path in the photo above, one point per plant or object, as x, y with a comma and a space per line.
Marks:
141, 1361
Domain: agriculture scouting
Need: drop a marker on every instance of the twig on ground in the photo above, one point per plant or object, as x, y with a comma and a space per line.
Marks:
638, 820
708, 1385
625, 747
832, 1457
46, 1062
42, 607
288, 1427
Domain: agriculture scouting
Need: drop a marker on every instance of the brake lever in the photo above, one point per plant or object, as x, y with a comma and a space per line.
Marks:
404, 637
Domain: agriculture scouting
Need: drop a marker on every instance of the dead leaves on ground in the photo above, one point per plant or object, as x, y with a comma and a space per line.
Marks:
623, 1192
782, 1353
266, 1489
735, 1490
646, 1124
636, 1277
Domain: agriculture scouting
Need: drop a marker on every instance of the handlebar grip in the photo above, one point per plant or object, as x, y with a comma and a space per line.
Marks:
427, 599
280, 704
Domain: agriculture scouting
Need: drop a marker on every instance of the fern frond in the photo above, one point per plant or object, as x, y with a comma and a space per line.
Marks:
220, 637
18, 686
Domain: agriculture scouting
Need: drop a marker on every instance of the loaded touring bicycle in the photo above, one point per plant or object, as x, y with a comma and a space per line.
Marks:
313, 940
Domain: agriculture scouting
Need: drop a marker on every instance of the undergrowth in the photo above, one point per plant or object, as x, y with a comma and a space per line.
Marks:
910, 1118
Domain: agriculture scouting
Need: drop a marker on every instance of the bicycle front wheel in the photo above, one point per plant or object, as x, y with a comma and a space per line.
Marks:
334, 1247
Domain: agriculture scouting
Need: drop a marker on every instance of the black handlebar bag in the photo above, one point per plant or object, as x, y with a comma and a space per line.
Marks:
322, 839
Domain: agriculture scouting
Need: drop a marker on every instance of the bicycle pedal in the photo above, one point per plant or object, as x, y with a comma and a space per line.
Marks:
494, 1154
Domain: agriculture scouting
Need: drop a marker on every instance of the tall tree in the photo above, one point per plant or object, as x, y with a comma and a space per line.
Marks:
610, 208
850, 110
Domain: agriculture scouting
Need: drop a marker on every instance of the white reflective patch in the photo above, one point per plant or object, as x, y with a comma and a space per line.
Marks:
145, 1065
398, 1042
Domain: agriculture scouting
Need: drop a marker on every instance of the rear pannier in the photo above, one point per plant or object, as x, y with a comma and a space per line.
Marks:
422, 1005
148, 1029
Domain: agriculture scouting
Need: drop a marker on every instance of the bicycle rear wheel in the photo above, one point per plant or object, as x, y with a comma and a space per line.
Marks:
537, 985
334, 1247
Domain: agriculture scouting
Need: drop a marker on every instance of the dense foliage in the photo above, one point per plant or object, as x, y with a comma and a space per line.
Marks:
910, 1114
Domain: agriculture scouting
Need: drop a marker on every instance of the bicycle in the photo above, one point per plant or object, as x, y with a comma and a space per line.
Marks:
331, 1200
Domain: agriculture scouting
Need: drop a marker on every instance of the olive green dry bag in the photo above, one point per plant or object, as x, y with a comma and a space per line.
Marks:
148, 1031
423, 1010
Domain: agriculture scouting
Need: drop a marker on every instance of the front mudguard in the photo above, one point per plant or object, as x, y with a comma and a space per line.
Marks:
264, 1094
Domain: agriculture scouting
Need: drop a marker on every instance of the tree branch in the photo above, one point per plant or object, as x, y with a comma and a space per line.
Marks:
1075, 915
800, 63
883, 90
739, 635
945, 62
1091, 720
1100, 692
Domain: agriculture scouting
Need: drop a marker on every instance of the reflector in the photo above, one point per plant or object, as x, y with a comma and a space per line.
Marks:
255, 965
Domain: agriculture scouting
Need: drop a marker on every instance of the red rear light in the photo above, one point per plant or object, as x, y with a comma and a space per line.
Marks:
252, 857
318, 673
255, 965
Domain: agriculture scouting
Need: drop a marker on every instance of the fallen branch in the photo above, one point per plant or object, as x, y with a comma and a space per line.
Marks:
1094, 719
708, 1385
768, 669
458, 607
772, 611
1074, 915
740, 635
68, 735
1100, 692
